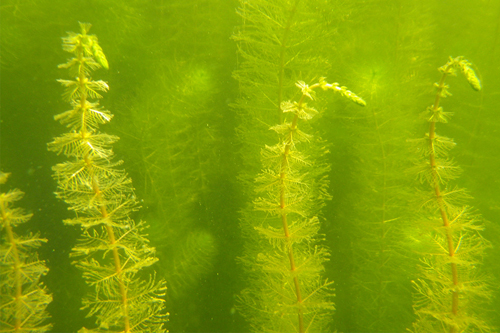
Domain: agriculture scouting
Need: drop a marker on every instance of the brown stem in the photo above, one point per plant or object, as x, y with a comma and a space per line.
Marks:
440, 201
283, 175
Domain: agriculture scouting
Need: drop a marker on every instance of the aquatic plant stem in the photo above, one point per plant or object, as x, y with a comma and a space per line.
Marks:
112, 248
17, 267
282, 62
447, 297
283, 175
23, 299
307, 91
105, 215
300, 298
83, 79
435, 183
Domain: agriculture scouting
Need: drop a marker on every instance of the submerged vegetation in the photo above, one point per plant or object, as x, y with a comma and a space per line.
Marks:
113, 248
284, 256
452, 286
260, 201
23, 296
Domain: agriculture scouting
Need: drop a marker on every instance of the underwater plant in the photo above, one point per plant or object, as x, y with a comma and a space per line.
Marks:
178, 129
452, 287
278, 42
285, 258
175, 150
23, 298
371, 164
113, 249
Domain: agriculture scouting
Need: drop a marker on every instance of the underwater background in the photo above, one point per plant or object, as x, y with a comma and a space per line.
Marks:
196, 85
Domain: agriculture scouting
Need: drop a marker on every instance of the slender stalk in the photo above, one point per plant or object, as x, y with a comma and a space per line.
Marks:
445, 298
441, 204
283, 175
112, 247
282, 59
307, 91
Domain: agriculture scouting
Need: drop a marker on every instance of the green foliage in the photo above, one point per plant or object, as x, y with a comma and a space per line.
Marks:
382, 48
452, 290
113, 249
284, 257
278, 42
190, 262
23, 298
176, 140
177, 158
174, 136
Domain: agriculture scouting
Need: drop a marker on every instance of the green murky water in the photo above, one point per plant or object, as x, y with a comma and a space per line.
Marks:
253, 204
